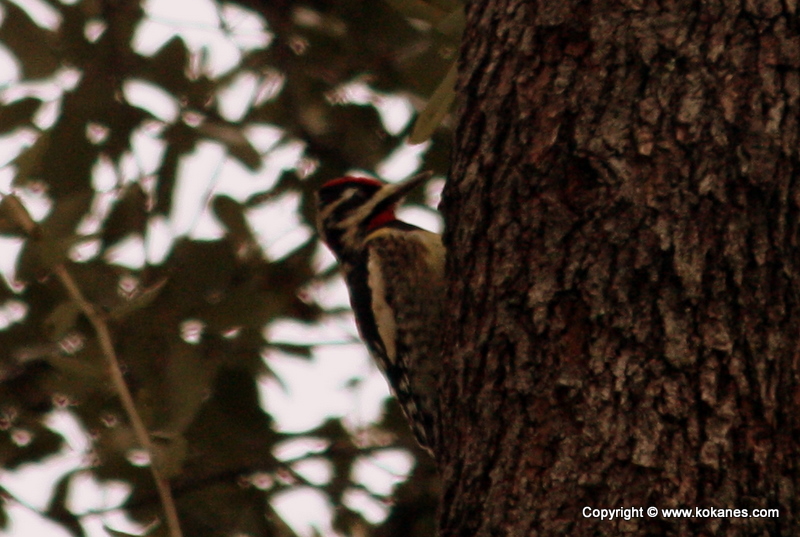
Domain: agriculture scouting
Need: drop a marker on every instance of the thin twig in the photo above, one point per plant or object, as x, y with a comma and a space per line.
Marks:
17, 212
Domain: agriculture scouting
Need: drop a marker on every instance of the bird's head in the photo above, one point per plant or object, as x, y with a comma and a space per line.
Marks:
350, 207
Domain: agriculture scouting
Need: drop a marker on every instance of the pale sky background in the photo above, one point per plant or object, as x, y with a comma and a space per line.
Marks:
315, 389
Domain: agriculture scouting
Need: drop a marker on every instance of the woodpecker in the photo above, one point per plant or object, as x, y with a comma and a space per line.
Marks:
394, 273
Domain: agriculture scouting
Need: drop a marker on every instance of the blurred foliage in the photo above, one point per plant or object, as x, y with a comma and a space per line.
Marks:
190, 328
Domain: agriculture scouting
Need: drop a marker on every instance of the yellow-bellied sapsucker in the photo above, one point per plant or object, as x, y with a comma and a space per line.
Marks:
394, 272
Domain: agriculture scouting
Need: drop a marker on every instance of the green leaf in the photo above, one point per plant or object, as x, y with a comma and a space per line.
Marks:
17, 113
28, 162
180, 141
66, 214
117, 533
61, 320
418, 9
57, 510
40, 254
453, 24
231, 136
186, 385
231, 213
10, 207
169, 454
155, 529
33, 45
81, 375
168, 67
437, 108
129, 215
44, 443
140, 301
3, 514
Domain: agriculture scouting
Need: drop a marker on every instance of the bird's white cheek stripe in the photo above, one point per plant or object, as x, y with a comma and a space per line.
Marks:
384, 316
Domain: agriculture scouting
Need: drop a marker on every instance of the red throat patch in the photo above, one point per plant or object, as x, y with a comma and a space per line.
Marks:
383, 218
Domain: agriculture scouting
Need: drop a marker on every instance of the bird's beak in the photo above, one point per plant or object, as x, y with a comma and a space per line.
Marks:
393, 193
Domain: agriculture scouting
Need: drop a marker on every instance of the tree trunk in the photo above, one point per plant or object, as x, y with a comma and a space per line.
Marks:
622, 220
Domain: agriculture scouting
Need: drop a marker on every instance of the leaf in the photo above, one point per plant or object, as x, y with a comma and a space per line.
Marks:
155, 529
278, 526
140, 301
437, 108
81, 375
66, 165
11, 212
66, 214
57, 510
39, 256
120, 439
29, 161
302, 351
44, 442
117, 533
231, 136
129, 215
231, 213
169, 454
34, 46
55, 239
168, 67
180, 141
61, 320
417, 9
453, 24
158, 530
187, 384
17, 113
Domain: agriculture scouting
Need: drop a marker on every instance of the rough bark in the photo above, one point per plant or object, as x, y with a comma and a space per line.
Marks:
622, 220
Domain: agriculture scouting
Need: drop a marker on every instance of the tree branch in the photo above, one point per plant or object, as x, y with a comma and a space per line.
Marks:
18, 214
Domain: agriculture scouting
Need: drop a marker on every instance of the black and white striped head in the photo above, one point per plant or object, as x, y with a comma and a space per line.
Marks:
350, 207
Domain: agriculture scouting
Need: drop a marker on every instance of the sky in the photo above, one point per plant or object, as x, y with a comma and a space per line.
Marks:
314, 389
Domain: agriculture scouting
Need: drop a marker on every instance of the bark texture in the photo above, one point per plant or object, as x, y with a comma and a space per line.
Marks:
622, 228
